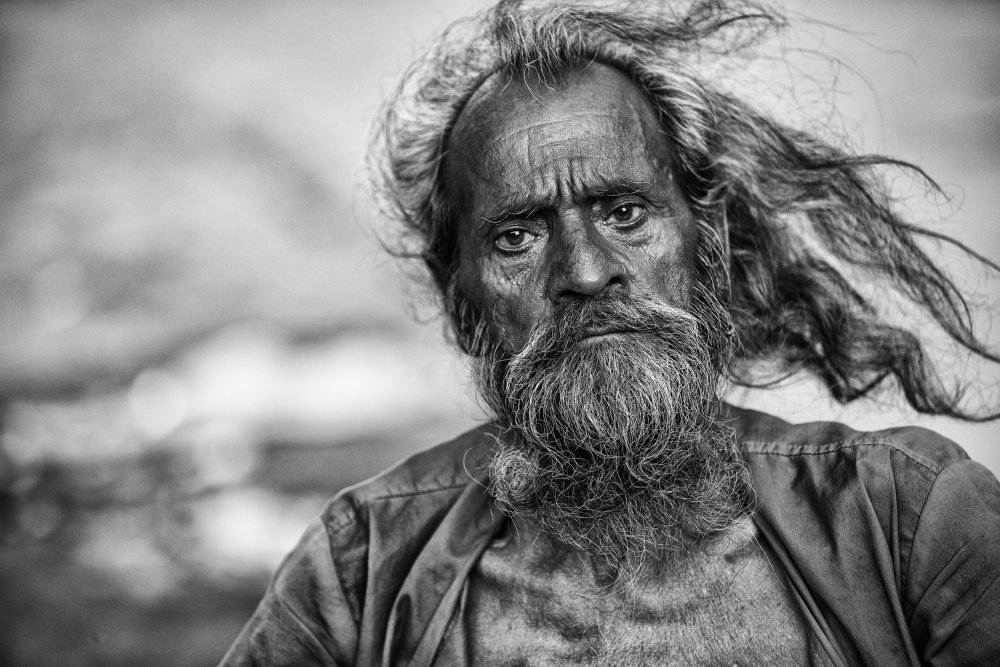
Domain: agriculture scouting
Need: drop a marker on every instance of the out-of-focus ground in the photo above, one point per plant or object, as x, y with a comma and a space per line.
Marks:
199, 340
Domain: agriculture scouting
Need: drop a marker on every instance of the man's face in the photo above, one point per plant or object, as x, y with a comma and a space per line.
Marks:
565, 192
596, 341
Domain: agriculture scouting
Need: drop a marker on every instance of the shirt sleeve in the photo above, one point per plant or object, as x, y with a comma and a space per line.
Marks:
304, 618
953, 579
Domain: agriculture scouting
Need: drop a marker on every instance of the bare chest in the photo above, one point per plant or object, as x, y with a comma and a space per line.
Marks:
704, 609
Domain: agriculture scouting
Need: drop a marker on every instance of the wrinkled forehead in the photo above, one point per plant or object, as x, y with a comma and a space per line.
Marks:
592, 116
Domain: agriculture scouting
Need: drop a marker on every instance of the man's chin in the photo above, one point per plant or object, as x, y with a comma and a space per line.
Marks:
622, 460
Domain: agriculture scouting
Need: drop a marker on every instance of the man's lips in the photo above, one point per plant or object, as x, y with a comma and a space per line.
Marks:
605, 330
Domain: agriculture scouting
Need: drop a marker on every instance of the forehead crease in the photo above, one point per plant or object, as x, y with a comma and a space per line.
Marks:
516, 127
610, 150
584, 171
574, 155
574, 165
576, 179
619, 122
549, 143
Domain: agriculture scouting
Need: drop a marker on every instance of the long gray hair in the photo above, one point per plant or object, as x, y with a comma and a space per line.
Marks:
761, 186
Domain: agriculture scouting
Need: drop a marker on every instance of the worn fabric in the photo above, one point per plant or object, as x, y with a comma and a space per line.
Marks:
890, 541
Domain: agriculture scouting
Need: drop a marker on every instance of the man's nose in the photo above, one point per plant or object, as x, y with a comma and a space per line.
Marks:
585, 264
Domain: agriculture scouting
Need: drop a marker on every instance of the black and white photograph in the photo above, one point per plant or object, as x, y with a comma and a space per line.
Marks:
499, 332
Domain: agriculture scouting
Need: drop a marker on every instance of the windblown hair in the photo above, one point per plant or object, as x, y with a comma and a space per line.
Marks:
765, 188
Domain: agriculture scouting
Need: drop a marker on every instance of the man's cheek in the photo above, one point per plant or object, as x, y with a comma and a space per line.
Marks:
671, 278
513, 322
509, 300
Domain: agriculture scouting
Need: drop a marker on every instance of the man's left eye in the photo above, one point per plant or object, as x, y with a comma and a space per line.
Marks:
514, 240
627, 214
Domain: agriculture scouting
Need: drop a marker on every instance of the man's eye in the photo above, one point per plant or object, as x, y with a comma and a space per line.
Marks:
514, 239
627, 214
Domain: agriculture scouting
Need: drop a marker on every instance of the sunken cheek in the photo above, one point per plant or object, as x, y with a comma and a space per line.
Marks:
512, 290
669, 274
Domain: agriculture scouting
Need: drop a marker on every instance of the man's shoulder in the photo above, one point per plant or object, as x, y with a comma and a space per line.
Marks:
345, 572
430, 477
764, 435
877, 526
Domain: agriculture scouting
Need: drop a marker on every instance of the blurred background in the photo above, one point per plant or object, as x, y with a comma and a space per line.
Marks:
200, 340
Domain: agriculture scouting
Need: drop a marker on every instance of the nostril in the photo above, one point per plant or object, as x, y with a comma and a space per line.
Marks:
585, 264
590, 278
619, 281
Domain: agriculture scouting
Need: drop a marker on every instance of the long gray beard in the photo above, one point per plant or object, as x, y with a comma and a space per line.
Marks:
611, 446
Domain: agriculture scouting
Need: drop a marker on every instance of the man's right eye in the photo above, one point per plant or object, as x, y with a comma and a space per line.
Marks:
513, 240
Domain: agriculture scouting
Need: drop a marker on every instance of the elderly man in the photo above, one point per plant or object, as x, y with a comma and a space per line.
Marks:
612, 238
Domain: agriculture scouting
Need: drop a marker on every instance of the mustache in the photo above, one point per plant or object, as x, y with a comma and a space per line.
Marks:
574, 320
666, 362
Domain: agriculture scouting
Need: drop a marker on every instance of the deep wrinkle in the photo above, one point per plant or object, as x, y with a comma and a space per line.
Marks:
548, 167
603, 189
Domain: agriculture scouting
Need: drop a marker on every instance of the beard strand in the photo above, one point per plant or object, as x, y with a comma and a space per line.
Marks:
611, 446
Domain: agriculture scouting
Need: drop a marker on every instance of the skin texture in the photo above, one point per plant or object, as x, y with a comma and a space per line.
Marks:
721, 604
565, 191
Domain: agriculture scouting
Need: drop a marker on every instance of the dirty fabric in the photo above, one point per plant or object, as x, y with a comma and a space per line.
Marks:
890, 541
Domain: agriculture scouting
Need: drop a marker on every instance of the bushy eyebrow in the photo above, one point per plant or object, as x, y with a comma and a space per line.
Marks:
517, 209
607, 188
526, 206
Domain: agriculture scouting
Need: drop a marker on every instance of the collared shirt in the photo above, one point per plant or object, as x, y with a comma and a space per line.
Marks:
890, 541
